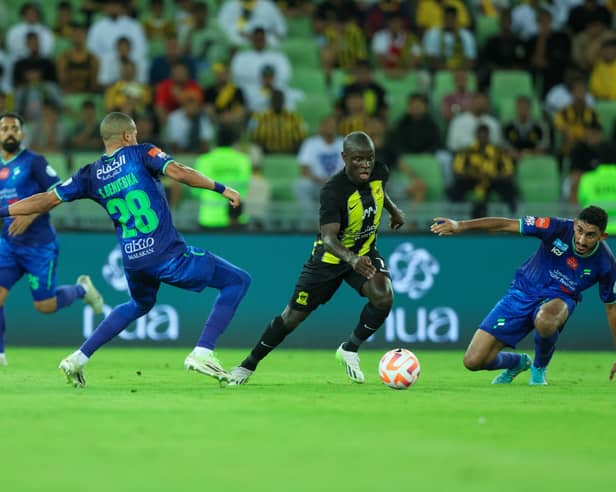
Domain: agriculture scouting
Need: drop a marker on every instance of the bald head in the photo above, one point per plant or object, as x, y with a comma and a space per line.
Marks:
114, 125
357, 141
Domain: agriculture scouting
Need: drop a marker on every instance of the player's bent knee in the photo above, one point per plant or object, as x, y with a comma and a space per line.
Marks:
383, 301
472, 362
46, 307
546, 325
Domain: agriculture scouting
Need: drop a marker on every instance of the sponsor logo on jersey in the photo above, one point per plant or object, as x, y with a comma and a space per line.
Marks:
572, 263
368, 212
529, 220
559, 248
137, 248
4, 173
111, 169
542, 222
16, 171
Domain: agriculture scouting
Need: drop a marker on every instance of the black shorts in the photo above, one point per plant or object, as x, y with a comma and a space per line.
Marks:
319, 281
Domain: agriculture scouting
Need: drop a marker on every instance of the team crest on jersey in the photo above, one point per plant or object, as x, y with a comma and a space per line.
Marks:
572, 263
542, 222
4, 173
302, 298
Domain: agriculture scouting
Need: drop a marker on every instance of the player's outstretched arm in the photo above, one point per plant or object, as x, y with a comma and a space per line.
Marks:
396, 216
35, 204
361, 264
448, 227
610, 310
194, 178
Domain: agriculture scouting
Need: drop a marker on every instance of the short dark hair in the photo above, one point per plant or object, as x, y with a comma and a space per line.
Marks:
418, 96
451, 10
356, 139
594, 215
12, 114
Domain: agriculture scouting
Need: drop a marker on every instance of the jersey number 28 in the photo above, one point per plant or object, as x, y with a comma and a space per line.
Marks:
135, 205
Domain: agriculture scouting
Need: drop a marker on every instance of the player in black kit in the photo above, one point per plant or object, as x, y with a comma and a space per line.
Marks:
352, 202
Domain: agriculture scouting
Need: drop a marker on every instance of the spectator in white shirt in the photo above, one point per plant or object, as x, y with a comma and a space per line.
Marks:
110, 70
188, 127
31, 22
258, 96
451, 46
319, 157
246, 65
461, 132
105, 32
238, 18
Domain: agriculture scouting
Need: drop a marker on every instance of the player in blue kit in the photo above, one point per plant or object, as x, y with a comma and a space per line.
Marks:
545, 291
28, 244
125, 181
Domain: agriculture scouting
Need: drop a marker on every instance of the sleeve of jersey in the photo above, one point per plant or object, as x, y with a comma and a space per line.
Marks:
75, 187
44, 174
541, 227
330, 211
607, 282
155, 159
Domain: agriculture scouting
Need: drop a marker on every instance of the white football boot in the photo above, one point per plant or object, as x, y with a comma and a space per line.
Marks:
350, 360
239, 375
208, 365
93, 297
73, 371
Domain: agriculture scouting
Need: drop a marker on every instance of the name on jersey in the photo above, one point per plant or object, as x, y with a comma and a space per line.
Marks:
559, 248
118, 185
111, 169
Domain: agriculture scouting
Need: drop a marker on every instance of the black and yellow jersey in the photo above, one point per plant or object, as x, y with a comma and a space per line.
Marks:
357, 209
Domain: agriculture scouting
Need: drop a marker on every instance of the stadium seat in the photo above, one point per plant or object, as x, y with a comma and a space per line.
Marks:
606, 110
308, 79
538, 179
426, 167
299, 28
314, 107
281, 170
486, 27
398, 91
302, 53
507, 84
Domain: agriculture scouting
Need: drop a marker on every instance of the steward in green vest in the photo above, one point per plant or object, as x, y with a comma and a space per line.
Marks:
225, 165
598, 187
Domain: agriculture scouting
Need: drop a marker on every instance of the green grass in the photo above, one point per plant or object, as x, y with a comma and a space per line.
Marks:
144, 424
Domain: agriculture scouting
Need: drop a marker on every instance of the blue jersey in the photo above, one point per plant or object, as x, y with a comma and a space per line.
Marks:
556, 270
20, 177
127, 185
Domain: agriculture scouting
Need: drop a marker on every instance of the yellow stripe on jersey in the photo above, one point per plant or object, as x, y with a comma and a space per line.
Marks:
352, 237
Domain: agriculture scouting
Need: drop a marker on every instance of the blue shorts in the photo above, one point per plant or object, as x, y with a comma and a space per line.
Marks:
38, 262
193, 270
513, 317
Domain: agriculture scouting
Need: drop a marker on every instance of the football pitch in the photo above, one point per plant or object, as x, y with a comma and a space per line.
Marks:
145, 424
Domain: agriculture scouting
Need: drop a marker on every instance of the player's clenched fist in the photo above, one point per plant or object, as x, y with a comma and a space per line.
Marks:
363, 265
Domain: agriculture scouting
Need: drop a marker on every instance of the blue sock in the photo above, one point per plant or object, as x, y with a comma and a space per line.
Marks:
118, 319
544, 349
233, 284
2, 329
504, 360
66, 295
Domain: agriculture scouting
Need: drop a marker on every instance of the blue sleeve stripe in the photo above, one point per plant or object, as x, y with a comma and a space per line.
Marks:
166, 164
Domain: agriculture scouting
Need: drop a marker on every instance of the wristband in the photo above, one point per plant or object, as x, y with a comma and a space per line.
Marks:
219, 187
4, 211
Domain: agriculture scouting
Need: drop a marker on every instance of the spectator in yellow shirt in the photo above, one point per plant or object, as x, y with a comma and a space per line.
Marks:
430, 13
603, 78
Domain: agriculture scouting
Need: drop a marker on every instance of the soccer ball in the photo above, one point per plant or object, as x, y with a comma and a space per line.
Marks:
399, 368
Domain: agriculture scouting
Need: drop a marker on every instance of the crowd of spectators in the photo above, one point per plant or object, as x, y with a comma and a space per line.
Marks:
196, 75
